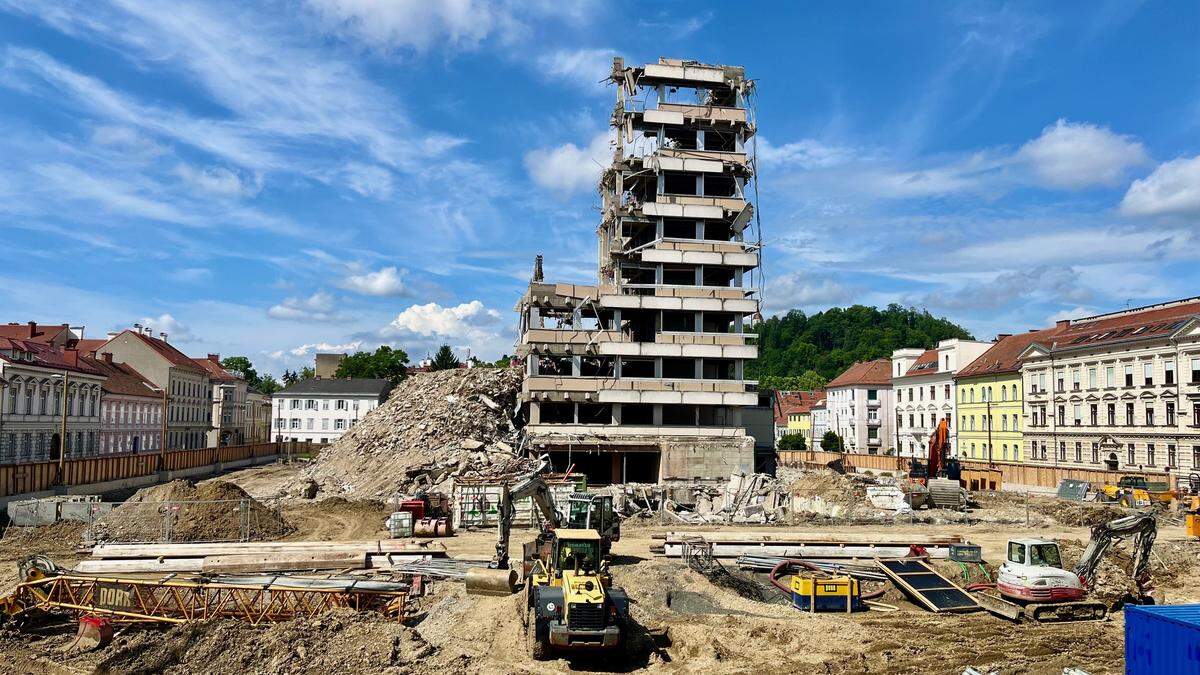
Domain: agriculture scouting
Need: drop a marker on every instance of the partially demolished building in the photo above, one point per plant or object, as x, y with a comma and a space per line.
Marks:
641, 378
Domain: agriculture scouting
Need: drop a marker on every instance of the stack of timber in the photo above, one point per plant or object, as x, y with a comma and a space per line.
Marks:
272, 556
808, 545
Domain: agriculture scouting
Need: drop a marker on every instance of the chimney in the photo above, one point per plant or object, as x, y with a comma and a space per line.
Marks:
1063, 323
32, 329
1001, 336
72, 356
108, 357
163, 336
112, 334
215, 358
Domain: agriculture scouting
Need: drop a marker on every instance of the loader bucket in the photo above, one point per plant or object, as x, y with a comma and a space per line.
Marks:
94, 632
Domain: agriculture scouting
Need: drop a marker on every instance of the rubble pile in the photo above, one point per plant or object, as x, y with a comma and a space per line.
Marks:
746, 498
433, 427
183, 510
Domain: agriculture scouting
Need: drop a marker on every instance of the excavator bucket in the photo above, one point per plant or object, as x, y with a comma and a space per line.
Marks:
94, 632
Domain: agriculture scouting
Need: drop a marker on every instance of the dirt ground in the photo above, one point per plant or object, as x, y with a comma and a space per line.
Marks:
716, 631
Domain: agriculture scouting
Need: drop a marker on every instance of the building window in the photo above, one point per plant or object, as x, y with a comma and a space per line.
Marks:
1042, 383
309, 425
310, 404
1091, 378
1061, 385
1128, 414
1075, 379
1149, 415
1014, 397
1171, 455
1062, 451
1095, 414
1015, 424
1195, 371
1003, 423
1095, 453
1129, 376
947, 392
1168, 372
1195, 456
1078, 451
1170, 413
1062, 415
1131, 457
1077, 409
339, 424
1112, 414
1109, 378
295, 422
341, 404
1150, 454
1148, 374
295, 404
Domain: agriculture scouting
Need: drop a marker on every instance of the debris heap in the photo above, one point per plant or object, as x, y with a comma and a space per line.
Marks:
183, 510
434, 426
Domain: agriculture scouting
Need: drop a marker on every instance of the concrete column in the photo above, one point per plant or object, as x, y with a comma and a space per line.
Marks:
576, 364
657, 415
699, 139
658, 370
699, 229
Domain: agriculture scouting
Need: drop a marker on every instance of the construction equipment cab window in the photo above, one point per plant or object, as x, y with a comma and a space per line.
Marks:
581, 555
1039, 554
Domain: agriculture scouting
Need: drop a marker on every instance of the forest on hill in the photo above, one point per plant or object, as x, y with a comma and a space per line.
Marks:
802, 351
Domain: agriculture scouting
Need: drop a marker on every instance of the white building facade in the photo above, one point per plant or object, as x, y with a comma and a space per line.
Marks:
130, 412
859, 404
32, 405
923, 381
1118, 391
320, 411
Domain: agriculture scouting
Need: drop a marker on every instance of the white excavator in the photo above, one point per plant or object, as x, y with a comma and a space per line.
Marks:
1033, 583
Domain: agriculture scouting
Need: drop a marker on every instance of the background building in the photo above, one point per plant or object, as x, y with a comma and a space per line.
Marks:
327, 364
642, 376
321, 411
189, 395
1117, 391
258, 416
230, 421
793, 414
990, 400
33, 375
131, 410
924, 384
859, 403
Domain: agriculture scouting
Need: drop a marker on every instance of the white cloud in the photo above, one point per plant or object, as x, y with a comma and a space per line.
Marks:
806, 290
1080, 155
586, 68
806, 153
429, 319
1058, 283
368, 180
1172, 189
165, 323
387, 281
568, 168
323, 347
455, 24
190, 275
317, 307
220, 181
127, 140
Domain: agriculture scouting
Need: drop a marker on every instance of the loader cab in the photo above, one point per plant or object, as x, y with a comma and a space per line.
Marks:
576, 550
1034, 552
595, 512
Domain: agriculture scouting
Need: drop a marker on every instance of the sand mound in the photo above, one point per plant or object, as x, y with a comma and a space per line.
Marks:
433, 426
186, 511
341, 641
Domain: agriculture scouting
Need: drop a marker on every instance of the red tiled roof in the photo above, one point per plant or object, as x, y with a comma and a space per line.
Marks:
1155, 321
122, 380
39, 333
1004, 355
165, 350
877, 372
48, 357
792, 402
90, 345
926, 363
214, 369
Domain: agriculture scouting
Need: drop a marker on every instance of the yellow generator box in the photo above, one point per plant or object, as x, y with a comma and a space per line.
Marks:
834, 594
1193, 525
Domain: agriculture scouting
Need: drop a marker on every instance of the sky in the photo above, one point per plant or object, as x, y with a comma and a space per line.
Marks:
277, 179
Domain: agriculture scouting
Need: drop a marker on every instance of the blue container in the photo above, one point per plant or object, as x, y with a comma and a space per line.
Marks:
1162, 639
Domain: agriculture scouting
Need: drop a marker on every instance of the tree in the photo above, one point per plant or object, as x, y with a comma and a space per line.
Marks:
444, 359
792, 442
307, 373
831, 442
289, 377
811, 380
268, 385
241, 365
385, 363
504, 361
828, 342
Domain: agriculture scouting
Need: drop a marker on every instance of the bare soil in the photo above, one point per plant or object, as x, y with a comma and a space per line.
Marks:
716, 631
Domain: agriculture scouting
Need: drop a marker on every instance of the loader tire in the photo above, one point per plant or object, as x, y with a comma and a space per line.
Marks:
538, 649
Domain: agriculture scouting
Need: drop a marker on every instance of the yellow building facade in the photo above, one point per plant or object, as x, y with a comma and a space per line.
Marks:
799, 423
990, 417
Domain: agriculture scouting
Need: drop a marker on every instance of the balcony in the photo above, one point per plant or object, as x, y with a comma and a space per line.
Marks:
875, 442
874, 403
874, 422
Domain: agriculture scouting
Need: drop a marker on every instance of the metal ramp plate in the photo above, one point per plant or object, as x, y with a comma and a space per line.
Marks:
934, 591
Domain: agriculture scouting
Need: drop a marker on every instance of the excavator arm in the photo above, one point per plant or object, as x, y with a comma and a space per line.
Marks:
1141, 526
529, 485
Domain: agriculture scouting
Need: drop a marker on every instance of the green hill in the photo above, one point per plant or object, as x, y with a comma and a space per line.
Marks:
810, 350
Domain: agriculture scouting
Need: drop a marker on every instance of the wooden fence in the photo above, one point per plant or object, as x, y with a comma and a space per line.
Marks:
18, 479
978, 475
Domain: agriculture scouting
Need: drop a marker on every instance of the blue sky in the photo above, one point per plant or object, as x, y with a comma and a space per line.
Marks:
276, 179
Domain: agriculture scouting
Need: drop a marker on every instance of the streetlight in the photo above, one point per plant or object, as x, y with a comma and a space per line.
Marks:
62, 437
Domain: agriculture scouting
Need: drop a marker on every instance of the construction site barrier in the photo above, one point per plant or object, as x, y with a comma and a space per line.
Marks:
977, 474
30, 477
